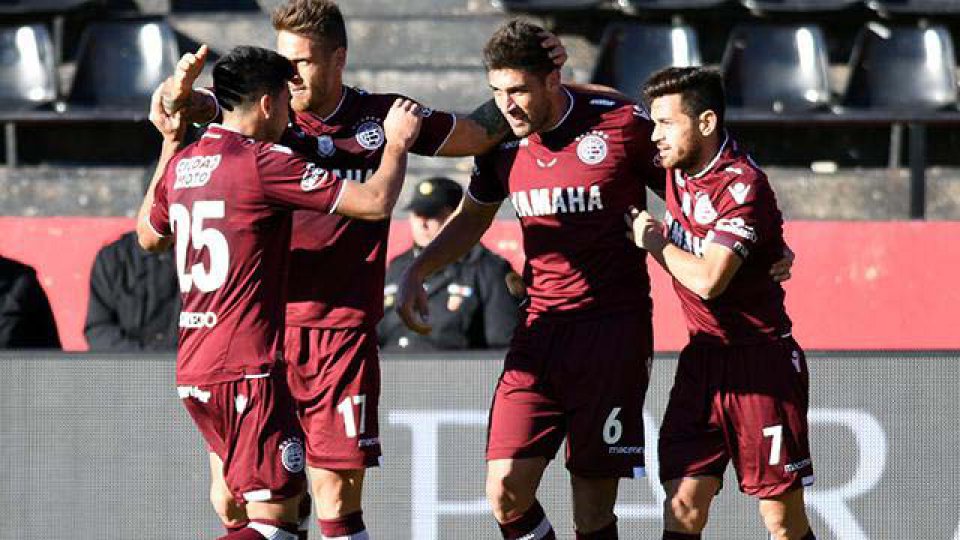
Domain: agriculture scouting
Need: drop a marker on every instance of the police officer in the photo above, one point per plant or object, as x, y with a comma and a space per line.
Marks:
470, 305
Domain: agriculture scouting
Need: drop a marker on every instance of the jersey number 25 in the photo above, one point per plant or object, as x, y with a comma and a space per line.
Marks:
188, 226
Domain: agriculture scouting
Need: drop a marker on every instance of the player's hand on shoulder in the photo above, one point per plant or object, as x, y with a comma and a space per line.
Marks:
412, 303
170, 126
177, 89
645, 231
557, 52
781, 270
402, 124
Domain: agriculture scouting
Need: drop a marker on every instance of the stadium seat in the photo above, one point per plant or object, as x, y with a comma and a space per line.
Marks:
639, 6
545, 5
798, 6
121, 62
618, 64
213, 5
902, 68
44, 6
776, 68
917, 7
27, 74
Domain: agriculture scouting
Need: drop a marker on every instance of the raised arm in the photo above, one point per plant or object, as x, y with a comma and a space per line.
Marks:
481, 130
461, 232
176, 93
375, 198
172, 129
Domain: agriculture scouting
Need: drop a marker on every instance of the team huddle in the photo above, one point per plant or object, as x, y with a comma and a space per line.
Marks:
279, 216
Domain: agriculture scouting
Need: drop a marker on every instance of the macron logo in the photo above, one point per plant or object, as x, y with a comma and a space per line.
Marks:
739, 192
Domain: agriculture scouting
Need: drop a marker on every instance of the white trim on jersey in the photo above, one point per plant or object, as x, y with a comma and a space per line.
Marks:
716, 158
216, 103
569, 110
257, 376
343, 96
270, 532
146, 219
258, 495
447, 138
336, 202
226, 128
478, 201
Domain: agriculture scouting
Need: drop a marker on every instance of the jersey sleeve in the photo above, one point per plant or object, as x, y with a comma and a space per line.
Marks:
644, 153
746, 215
159, 218
294, 138
436, 128
485, 187
290, 181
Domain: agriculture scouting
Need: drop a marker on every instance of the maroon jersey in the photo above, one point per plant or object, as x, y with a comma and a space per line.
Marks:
229, 201
352, 253
571, 187
730, 203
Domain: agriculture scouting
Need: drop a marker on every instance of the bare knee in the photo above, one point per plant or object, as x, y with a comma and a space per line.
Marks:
510, 492
593, 502
228, 510
785, 516
336, 493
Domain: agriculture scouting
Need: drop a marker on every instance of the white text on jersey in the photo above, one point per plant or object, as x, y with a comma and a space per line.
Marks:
558, 200
195, 171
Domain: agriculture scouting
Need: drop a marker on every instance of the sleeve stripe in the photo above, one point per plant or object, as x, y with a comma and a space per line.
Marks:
478, 201
447, 138
336, 202
146, 219
216, 102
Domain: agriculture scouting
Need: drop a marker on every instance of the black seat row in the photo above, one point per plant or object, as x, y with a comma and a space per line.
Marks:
796, 6
119, 63
782, 69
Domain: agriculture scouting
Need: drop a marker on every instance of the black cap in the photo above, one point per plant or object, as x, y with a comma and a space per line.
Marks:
433, 195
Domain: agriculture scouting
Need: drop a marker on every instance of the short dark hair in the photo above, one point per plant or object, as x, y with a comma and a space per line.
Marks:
700, 89
247, 73
319, 20
517, 45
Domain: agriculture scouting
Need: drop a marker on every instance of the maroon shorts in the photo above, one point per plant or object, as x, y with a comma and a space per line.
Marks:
745, 403
252, 426
583, 381
334, 376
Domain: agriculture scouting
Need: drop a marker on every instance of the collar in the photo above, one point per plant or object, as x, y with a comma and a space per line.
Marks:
344, 89
570, 102
716, 158
221, 127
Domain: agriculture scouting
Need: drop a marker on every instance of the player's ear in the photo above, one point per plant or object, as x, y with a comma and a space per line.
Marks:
266, 104
340, 58
708, 123
552, 80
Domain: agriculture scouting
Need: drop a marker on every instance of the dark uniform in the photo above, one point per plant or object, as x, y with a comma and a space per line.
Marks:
470, 306
134, 299
26, 320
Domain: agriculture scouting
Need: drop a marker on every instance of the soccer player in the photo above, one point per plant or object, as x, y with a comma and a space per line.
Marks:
741, 391
578, 364
228, 201
331, 341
